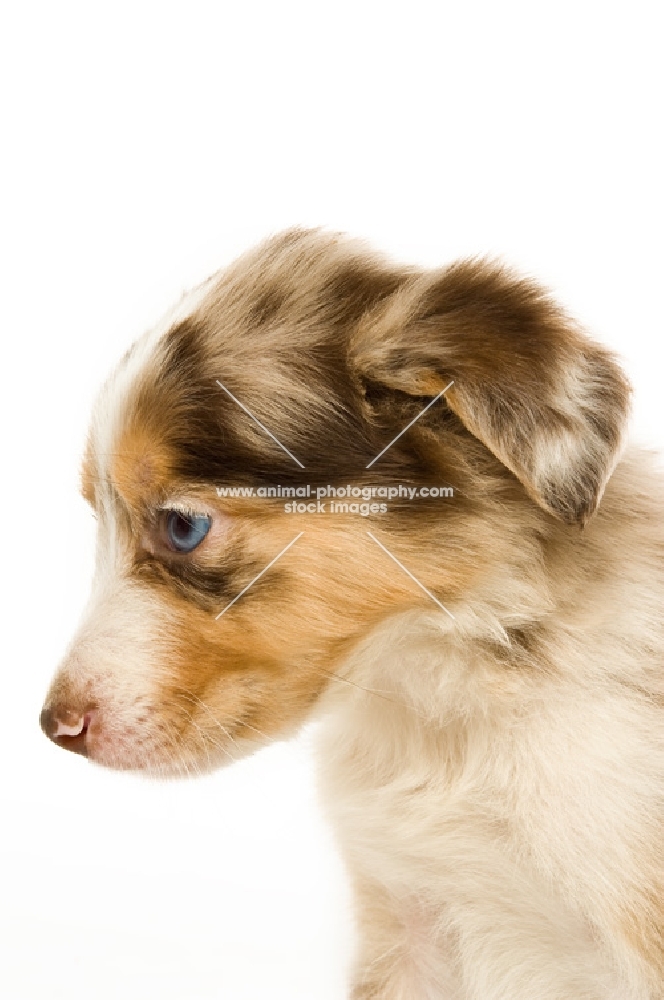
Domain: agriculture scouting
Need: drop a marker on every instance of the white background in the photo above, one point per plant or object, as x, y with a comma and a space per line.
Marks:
143, 146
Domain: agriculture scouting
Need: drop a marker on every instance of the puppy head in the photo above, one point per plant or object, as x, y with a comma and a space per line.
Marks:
215, 623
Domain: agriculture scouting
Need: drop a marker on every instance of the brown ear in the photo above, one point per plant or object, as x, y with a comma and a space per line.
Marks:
549, 403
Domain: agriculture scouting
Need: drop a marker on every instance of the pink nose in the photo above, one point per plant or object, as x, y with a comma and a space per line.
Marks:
66, 728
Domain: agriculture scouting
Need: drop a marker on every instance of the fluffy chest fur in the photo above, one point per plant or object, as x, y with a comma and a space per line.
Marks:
472, 779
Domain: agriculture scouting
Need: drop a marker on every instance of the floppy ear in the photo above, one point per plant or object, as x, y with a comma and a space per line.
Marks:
548, 402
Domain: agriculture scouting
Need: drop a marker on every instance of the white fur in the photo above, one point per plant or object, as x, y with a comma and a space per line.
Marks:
494, 825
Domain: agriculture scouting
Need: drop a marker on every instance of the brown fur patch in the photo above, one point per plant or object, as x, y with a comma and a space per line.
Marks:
141, 469
547, 402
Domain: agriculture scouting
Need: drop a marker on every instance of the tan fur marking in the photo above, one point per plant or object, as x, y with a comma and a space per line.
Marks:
140, 468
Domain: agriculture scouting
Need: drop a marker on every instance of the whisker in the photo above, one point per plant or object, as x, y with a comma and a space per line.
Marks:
208, 740
200, 731
247, 725
178, 758
198, 701
236, 721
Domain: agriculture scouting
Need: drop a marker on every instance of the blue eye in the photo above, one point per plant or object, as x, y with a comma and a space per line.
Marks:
185, 531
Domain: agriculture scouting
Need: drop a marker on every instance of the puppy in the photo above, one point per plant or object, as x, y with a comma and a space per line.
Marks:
488, 669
